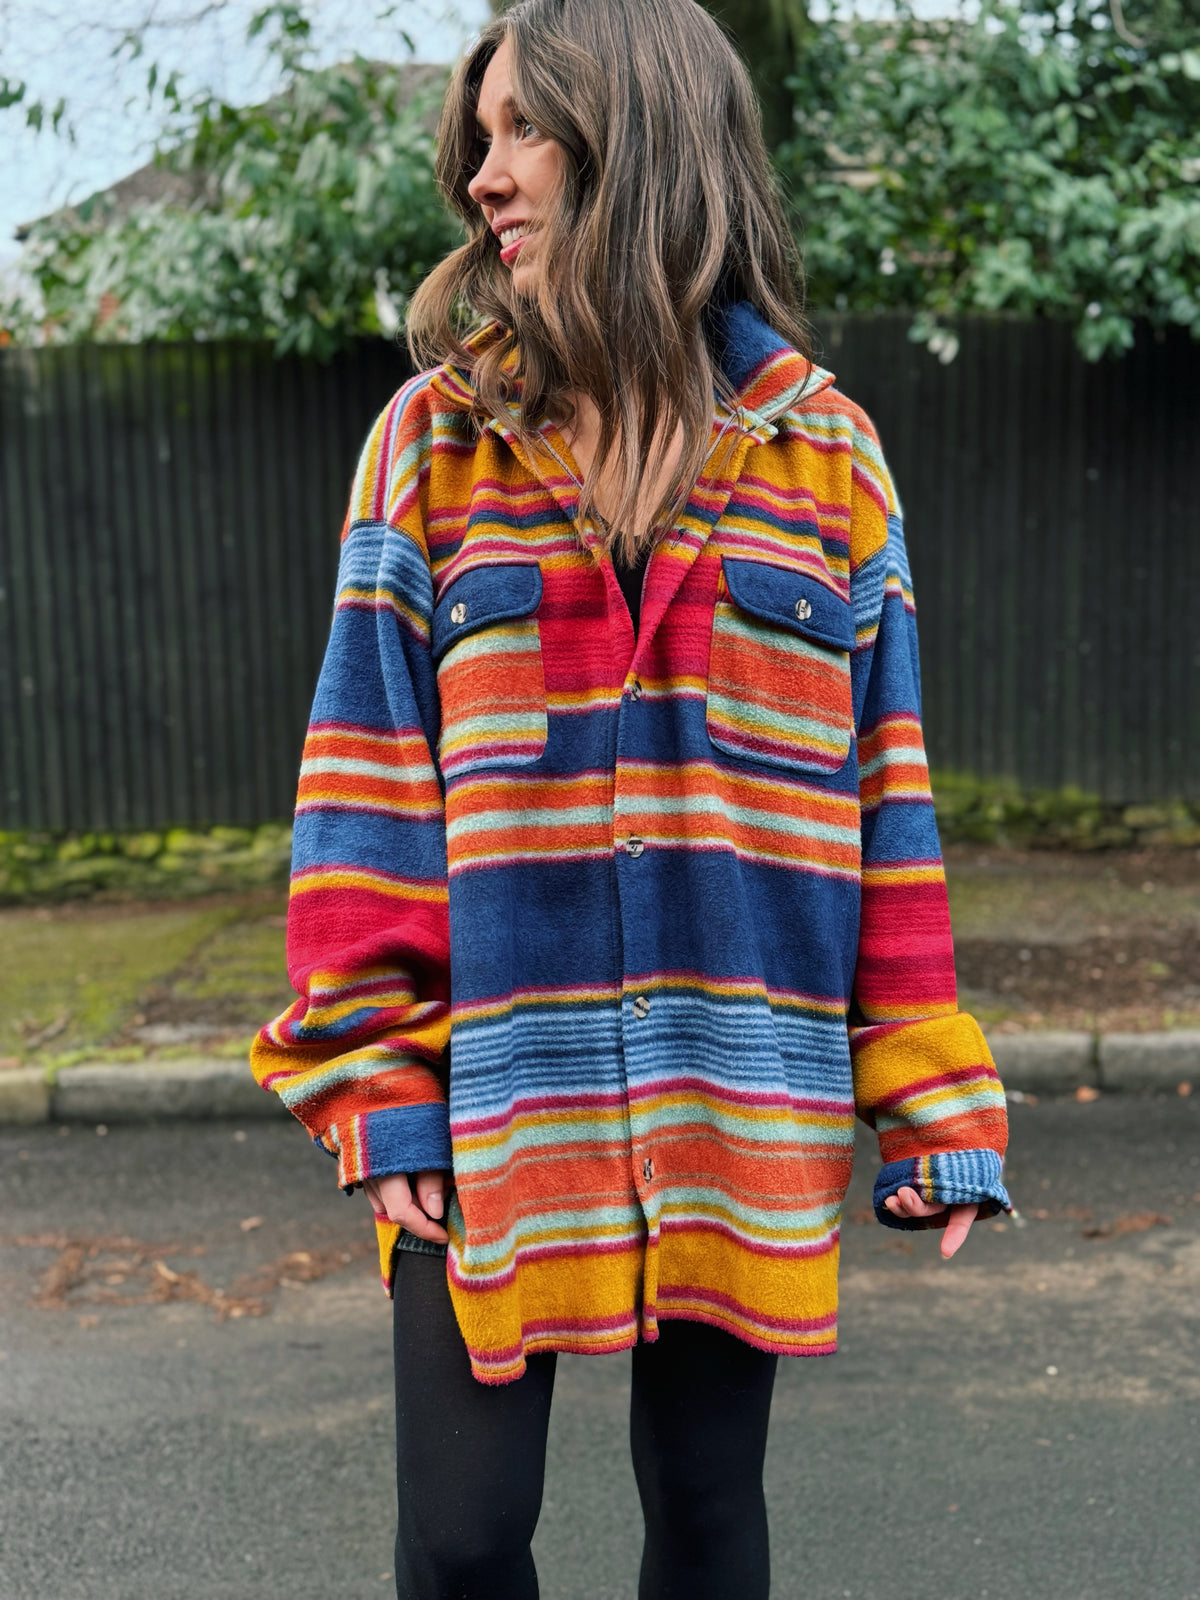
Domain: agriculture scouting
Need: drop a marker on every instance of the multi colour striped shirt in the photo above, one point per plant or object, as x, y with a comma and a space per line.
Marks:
625, 930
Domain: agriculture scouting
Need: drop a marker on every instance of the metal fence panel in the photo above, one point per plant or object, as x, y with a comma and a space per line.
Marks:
169, 521
1054, 533
168, 544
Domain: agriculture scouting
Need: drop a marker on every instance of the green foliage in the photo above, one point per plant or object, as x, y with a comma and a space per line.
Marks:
986, 811
176, 863
1035, 160
316, 215
1031, 161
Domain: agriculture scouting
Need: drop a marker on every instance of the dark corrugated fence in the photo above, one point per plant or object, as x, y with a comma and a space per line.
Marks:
168, 542
1054, 530
169, 520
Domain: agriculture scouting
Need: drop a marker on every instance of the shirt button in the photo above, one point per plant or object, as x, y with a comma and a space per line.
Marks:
641, 1006
634, 847
458, 613
647, 1169
635, 690
803, 609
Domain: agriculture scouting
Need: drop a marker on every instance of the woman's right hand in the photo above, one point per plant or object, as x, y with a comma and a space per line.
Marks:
391, 1197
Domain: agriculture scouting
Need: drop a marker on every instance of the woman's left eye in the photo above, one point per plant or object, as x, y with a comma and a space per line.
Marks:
529, 130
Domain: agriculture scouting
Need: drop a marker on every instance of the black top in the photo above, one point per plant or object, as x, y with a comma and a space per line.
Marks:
630, 578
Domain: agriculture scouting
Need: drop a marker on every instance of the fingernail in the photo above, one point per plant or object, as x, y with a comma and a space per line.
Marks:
433, 1206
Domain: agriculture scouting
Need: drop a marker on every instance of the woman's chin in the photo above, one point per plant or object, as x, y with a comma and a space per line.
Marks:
524, 275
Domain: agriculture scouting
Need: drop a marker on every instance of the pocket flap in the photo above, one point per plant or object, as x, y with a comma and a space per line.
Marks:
482, 596
792, 600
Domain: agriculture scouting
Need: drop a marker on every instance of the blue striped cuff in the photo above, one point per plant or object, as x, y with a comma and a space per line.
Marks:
405, 1139
954, 1178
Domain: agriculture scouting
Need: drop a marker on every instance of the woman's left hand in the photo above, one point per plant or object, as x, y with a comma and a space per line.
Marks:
957, 1222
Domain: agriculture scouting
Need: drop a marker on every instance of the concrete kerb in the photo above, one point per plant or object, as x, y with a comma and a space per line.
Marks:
1133, 1061
143, 1091
1045, 1063
24, 1097
1042, 1063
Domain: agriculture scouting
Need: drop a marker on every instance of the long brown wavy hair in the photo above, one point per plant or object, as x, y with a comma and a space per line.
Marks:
668, 209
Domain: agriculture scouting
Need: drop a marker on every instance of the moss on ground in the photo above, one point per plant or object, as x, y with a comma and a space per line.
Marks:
70, 978
118, 982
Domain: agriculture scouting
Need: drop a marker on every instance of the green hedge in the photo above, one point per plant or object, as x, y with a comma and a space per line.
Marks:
172, 863
971, 811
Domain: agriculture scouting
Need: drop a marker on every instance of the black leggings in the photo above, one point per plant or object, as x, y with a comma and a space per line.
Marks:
471, 1458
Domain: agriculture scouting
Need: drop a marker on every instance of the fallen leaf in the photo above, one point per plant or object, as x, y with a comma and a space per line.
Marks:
248, 1224
1184, 1089
1135, 1222
61, 1277
301, 1267
89, 1322
35, 1037
1085, 1094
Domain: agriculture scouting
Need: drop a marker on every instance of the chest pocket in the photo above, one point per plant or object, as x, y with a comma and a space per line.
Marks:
779, 669
488, 652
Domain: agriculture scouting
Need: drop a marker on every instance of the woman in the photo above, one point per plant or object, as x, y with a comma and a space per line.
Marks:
616, 887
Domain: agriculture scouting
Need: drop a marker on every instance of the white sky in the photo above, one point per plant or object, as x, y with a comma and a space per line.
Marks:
66, 49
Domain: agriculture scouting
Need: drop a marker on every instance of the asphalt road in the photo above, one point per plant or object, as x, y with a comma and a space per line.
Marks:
196, 1406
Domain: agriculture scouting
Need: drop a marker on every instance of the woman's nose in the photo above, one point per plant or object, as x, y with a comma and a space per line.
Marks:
492, 184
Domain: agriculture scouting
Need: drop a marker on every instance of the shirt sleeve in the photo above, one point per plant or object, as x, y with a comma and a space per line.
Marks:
361, 1057
924, 1078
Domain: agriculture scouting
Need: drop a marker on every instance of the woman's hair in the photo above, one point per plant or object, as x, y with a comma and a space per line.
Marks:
668, 210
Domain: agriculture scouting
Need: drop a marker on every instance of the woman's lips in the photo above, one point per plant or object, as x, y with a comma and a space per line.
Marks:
509, 254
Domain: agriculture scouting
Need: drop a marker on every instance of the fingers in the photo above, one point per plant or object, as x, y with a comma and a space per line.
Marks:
391, 1197
906, 1202
957, 1229
431, 1193
388, 1194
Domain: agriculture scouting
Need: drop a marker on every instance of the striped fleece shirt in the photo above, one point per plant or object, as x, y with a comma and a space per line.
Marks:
625, 931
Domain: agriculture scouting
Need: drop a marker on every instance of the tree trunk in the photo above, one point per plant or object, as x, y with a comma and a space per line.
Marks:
769, 34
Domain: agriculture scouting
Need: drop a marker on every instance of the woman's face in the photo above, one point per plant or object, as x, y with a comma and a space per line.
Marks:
520, 176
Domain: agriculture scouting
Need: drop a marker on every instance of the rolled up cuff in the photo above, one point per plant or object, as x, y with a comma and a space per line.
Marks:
392, 1139
954, 1178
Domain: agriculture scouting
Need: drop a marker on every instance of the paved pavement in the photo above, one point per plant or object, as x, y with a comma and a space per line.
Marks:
195, 1405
